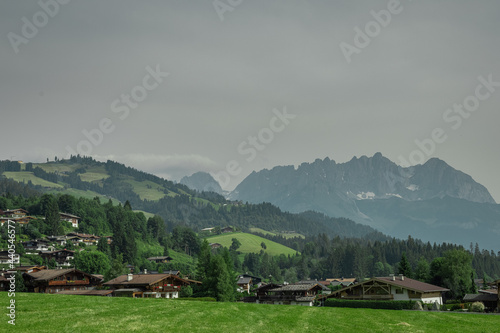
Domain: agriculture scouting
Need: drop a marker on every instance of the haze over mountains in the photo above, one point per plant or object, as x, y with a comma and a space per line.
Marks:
433, 201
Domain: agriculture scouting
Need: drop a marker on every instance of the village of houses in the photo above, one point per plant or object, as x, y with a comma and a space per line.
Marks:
70, 281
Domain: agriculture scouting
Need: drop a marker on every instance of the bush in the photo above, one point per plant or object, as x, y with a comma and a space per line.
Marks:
477, 307
387, 305
457, 307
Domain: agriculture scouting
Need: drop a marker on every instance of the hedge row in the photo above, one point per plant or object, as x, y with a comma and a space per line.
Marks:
387, 305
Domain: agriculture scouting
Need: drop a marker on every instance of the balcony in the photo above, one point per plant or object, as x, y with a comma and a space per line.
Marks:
68, 282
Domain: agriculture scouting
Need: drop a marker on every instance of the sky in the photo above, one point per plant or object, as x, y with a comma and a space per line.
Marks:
235, 86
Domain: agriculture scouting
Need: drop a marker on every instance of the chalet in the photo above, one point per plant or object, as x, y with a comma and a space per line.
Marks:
20, 220
214, 246
85, 238
488, 297
6, 258
227, 229
148, 285
244, 284
29, 269
62, 257
161, 259
293, 294
37, 245
395, 288
73, 219
342, 282
15, 213
55, 280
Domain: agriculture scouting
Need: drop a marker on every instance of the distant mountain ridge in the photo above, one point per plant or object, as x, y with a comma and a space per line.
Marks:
203, 182
348, 189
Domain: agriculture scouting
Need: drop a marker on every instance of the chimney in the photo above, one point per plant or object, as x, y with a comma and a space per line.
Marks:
130, 277
402, 277
145, 271
393, 278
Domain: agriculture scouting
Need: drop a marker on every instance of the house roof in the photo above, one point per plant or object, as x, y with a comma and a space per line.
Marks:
410, 284
10, 211
268, 286
70, 215
142, 279
49, 274
405, 283
160, 258
88, 292
297, 287
480, 298
488, 291
244, 280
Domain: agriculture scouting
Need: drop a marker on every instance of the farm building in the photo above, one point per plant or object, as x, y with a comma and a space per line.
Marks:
397, 288
148, 285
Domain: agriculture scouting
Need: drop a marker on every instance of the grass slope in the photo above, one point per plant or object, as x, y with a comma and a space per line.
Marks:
251, 243
63, 313
286, 235
25, 176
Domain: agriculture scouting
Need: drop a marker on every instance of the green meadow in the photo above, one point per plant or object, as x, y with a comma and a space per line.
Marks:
64, 313
251, 243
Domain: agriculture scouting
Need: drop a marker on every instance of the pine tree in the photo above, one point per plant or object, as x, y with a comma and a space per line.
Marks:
404, 266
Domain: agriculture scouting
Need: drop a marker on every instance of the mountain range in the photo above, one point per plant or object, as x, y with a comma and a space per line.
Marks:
432, 201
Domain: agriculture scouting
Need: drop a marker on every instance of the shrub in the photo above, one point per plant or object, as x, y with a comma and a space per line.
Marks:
477, 307
387, 305
457, 307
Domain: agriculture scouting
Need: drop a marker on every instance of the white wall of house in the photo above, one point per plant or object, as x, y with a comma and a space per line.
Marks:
404, 296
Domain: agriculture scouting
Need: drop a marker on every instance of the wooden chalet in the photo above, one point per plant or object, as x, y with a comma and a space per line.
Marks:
85, 238
148, 285
19, 212
497, 283
73, 219
37, 245
214, 246
292, 294
227, 229
488, 297
62, 257
55, 280
244, 284
161, 259
398, 288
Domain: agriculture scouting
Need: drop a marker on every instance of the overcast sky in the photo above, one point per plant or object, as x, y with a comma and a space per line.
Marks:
297, 73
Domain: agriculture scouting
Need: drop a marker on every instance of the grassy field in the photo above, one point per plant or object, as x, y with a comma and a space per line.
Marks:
63, 313
147, 190
25, 176
286, 235
251, 243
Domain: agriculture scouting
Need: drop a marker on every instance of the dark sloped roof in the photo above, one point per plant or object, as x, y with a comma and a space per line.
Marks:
411, 284
49, 274
480, 298
297, 287
142, 279
244, 280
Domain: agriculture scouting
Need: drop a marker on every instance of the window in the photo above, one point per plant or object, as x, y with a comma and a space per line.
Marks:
399, 291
